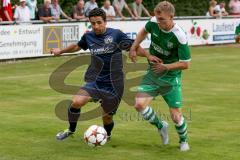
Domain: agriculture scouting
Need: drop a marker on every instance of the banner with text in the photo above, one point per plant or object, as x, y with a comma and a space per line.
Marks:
21, 41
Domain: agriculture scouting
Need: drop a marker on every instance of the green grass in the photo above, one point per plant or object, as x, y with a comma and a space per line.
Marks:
211, 99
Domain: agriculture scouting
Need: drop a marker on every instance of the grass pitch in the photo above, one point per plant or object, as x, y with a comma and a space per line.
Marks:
211, 104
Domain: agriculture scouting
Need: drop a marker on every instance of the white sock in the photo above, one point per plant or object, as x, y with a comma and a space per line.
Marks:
181, 122
145, 110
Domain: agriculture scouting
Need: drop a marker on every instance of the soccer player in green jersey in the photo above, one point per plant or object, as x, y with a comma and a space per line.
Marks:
237, 34
163, 77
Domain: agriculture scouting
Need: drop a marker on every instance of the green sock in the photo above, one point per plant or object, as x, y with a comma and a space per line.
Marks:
149, 115
182, 130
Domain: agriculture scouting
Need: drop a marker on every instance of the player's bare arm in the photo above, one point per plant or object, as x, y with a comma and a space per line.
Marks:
134, 52
70, 49
159, 67
140, 37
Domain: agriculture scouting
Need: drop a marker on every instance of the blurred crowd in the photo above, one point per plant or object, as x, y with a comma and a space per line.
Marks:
218, 9
50, 10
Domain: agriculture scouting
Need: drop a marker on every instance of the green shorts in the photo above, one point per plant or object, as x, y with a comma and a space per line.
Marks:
168, 87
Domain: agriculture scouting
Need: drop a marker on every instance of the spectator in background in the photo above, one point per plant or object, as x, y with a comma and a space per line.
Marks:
78, 10
57, 11
6, 10
119, 5
138, 8
0, 10
90, 5
22, 12
212, 9
221, 9
109, 10
234, 6
44, 12
32, 5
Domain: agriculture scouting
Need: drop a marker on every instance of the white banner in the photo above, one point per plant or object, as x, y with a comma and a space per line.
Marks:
20, 41
209, 31
131, 29
36, 40
199, 32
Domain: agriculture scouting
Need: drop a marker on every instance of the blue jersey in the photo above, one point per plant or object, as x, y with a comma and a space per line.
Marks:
106, 54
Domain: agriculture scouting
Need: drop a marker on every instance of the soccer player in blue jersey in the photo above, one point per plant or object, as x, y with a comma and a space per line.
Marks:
104, 76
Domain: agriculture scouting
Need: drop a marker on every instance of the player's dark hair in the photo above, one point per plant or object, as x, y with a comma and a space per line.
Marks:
97, 12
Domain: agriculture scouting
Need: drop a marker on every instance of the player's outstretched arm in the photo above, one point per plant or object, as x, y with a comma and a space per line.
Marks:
70, 49
133, 51
181, 65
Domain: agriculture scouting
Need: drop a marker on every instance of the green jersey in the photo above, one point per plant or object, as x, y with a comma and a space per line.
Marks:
170, 46
237, 31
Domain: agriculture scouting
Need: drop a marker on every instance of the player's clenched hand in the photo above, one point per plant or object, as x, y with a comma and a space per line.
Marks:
154, 59
159, 68
238, 39
55, 51
133, 55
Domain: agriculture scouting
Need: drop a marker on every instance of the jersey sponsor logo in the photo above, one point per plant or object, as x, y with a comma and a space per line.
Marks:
170, 45
97, 51
108, 48
159, 49
108, 40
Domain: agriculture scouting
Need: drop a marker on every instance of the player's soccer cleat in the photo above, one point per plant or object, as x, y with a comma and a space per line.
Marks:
164, 133
184, 146
64, 134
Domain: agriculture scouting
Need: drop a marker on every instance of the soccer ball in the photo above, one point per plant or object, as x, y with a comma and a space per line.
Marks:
95, 136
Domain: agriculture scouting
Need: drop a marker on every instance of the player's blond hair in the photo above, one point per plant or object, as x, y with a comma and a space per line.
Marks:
165, 7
